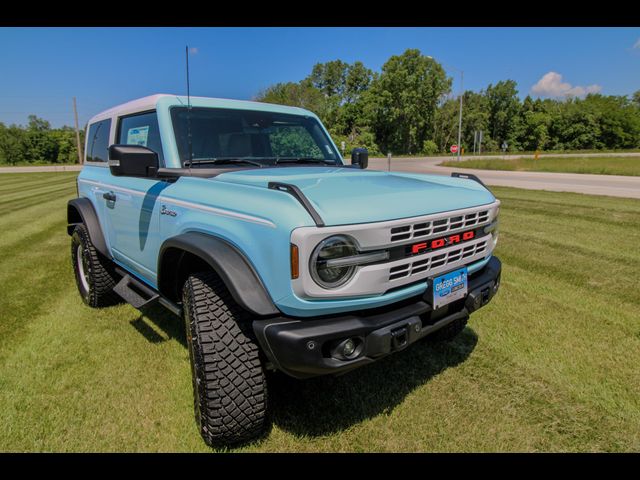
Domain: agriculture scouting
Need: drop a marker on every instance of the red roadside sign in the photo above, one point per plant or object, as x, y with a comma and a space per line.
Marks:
454, 148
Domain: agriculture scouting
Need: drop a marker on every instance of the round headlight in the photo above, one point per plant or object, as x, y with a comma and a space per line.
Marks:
332, 248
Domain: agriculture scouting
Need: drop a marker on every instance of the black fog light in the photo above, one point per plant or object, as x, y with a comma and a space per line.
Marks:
348, 349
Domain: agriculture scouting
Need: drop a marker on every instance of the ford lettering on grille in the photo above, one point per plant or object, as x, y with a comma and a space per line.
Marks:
441, 242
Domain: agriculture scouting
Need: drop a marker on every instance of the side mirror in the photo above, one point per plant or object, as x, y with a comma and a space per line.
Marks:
360, 157
133, 161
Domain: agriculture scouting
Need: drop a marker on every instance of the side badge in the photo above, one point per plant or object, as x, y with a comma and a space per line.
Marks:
165, 211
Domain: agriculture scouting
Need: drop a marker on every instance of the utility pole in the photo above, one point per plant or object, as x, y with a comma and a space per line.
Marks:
75, 113
460, 116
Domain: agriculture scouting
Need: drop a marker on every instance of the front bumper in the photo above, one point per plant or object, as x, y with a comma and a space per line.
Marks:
303, 348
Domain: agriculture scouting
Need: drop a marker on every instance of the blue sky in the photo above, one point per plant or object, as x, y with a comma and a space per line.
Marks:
43, 68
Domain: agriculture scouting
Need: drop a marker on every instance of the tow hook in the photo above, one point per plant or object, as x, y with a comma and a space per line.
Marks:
399, 338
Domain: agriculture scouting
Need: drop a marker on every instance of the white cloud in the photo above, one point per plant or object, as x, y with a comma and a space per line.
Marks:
551, 85
636, 45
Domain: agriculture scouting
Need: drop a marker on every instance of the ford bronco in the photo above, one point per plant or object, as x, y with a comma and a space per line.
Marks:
243, 219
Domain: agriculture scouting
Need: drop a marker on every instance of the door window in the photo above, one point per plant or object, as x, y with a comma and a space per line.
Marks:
141, 129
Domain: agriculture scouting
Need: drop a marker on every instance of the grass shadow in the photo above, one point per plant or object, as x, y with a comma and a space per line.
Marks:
327, 405
166, 322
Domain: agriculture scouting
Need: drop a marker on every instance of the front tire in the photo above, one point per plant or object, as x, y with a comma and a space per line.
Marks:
229, 384
95, 274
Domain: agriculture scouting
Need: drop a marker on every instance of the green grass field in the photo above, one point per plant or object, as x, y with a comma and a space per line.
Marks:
550, 365
629, 166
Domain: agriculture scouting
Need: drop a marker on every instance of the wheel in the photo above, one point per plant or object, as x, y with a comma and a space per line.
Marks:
450, 331
95, 274
229, 384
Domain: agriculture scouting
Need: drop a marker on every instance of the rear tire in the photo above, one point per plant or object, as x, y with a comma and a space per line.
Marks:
95, 274
229, 384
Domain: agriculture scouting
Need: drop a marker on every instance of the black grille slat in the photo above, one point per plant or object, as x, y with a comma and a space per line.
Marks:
440, 226
426, 264
405, 236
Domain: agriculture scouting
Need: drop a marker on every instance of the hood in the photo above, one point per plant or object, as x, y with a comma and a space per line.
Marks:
347, 196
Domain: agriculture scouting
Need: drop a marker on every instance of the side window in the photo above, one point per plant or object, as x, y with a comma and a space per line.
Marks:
141, 129
98, 141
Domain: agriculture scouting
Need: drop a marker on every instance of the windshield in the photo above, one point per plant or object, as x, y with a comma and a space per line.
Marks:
224, 136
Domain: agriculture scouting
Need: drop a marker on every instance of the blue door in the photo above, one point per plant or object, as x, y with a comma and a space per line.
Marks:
131, 204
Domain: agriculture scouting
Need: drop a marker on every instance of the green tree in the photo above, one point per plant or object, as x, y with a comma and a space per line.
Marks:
402, 101
41, 145
504, 108
302, 94
37, 142
13, 148
342, 85
445, 129
330, 78
475, 118
65, 138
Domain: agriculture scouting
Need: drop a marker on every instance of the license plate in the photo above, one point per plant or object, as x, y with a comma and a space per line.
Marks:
449, 287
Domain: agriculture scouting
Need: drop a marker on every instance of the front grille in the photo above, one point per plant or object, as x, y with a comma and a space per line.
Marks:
457, 255
434, 227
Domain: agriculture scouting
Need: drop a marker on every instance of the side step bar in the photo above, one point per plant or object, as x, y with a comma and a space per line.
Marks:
139, 295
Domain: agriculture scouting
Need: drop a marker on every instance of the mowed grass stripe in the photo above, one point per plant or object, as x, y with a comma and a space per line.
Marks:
17, 201
612, 243
51, 217
30, 282
549, 365
550, 305
10, 181
600, 216
32, 261
33, 216
553, 260
26, 185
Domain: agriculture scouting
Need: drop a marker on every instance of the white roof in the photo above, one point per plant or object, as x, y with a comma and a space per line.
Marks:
150, 103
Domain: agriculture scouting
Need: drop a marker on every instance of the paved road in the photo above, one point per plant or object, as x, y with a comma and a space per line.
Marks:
613, 185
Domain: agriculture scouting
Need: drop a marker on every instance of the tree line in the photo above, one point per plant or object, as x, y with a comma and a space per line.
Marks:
408, 108
37, 143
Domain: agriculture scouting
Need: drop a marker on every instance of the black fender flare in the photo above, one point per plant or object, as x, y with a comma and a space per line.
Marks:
80, 210
226, 260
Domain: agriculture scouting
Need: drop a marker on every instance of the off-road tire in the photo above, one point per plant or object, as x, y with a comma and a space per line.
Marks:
99, 278
450, 331
229, 384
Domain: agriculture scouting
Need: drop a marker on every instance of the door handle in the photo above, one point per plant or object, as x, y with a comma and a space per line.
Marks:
109, 196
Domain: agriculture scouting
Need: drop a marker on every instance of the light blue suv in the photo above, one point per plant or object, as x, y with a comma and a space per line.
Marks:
242, 218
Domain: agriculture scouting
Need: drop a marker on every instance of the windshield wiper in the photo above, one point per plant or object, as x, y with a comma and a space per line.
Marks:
302, 160
221, 161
